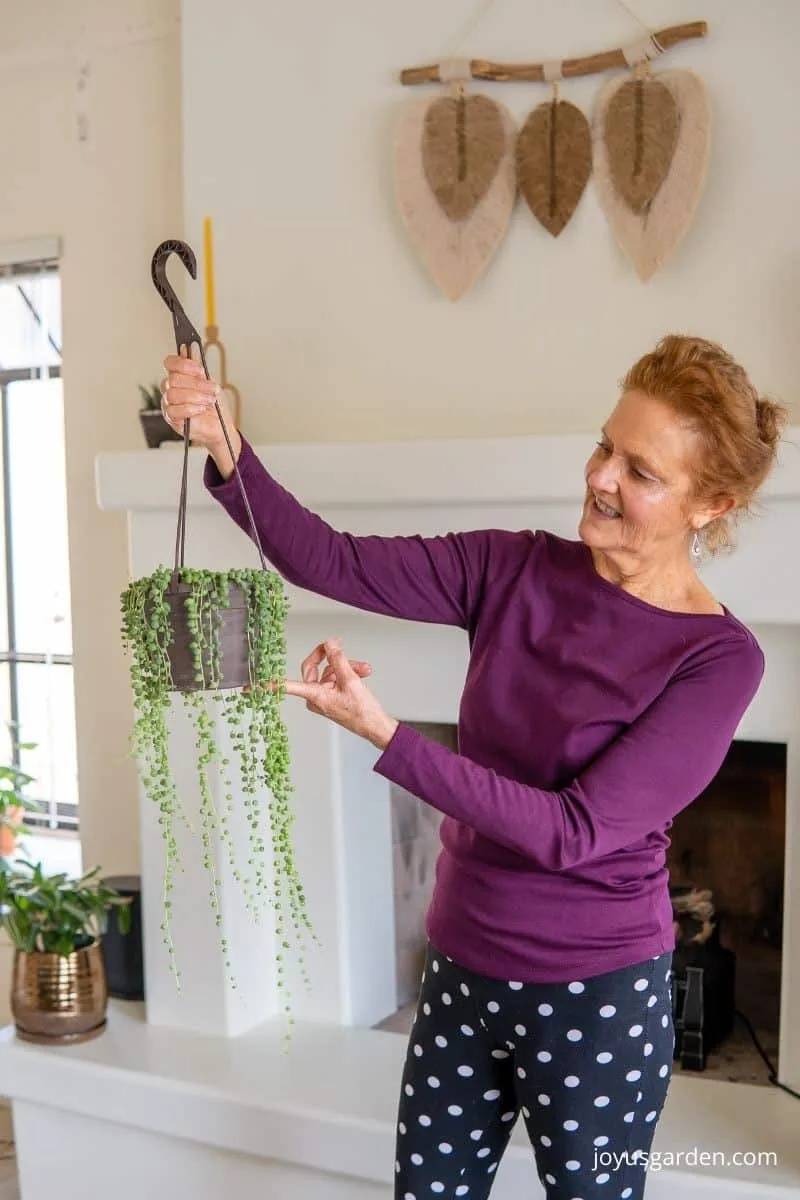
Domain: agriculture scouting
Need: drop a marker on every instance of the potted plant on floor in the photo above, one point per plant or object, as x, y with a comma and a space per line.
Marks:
13, 805
55, 924
156, 429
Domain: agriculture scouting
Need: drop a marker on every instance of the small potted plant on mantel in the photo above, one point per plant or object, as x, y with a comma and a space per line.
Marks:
59, 991
156, 429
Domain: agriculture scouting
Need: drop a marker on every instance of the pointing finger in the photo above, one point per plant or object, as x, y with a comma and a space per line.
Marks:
313, 692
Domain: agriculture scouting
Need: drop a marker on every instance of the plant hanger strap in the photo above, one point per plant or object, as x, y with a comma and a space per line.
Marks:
186, 335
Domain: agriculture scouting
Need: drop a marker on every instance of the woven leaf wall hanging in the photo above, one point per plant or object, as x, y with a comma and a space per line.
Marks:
455, 184
649, 234
463, 142
554, 161
458, 161
640, 128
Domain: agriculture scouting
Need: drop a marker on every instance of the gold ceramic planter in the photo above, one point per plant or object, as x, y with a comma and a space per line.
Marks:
58, 999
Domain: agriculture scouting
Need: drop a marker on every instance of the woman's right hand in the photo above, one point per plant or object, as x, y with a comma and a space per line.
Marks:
186, 394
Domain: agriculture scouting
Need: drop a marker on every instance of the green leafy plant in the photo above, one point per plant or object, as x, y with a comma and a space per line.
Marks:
54, 913
151, 397
12, 796
257, 732
13, 800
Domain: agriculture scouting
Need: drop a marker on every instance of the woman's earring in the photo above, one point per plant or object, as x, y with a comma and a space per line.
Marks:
696, 545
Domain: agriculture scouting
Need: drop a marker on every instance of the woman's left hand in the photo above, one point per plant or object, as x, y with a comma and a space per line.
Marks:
341, 695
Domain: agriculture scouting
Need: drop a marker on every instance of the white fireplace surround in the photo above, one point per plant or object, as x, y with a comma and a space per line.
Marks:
197, 1084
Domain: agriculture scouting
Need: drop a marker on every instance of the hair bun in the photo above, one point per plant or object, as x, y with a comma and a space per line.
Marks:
770, 420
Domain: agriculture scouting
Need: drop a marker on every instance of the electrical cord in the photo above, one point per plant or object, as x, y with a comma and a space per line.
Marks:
773, 1074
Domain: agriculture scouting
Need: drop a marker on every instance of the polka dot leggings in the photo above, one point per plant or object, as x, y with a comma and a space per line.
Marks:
587, 1063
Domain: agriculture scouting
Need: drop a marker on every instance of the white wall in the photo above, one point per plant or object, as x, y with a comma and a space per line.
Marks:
90, 148
334, 331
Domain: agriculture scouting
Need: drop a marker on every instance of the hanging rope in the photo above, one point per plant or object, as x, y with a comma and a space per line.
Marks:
480, 11
627, 8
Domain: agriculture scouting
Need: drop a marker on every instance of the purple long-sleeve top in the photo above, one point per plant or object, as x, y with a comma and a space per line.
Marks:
589, 719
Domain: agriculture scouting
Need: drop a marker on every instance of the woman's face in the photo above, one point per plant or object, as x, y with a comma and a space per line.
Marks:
641, 471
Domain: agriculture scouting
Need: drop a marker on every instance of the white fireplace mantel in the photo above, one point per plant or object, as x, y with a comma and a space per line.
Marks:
435, 486
201, 1054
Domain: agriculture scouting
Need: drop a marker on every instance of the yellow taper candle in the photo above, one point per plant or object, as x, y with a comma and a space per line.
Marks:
209, 272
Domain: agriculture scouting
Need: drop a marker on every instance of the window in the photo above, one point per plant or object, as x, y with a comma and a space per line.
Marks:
36, 677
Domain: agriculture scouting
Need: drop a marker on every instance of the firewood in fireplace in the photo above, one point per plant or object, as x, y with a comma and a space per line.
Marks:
692, 910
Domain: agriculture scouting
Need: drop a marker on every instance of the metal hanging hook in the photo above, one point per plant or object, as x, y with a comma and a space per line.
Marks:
186, 335
185, 332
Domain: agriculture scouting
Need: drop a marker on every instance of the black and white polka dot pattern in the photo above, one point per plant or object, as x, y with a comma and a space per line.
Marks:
586, 1063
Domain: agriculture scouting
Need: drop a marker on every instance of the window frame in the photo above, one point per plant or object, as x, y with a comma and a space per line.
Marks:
11, 657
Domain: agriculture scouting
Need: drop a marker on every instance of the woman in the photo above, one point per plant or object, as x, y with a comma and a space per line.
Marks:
604, 688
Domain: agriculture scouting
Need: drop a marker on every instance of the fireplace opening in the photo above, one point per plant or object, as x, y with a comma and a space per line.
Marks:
726, 866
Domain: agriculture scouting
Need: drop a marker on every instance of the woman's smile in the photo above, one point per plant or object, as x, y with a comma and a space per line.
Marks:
601, 510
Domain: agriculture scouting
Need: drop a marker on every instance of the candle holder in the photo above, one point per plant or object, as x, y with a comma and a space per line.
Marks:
213, 342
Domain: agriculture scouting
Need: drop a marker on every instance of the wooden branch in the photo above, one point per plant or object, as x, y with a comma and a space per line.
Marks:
593, 64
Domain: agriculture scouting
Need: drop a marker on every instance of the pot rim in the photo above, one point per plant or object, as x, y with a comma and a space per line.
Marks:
96, 943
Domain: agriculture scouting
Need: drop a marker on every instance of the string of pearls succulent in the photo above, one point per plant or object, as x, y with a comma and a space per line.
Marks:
257, 735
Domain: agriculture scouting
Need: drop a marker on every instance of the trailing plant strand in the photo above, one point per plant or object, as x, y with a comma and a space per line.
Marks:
256, 729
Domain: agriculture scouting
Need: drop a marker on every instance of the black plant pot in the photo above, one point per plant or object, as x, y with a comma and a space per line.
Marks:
156, 429
231, 622
123, 952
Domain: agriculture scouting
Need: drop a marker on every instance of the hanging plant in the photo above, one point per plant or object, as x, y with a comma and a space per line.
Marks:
217, 640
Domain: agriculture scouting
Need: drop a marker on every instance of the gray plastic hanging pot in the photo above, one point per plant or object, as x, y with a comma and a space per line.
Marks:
226, 625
